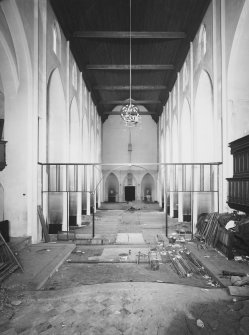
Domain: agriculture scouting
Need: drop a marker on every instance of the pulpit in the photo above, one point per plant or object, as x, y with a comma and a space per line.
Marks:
238, 185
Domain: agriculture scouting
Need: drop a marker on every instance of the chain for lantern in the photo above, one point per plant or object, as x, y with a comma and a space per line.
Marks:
130, 112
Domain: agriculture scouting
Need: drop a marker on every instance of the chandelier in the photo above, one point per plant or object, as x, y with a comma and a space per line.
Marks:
130, 112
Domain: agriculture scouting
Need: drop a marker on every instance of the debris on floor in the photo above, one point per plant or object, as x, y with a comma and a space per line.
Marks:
8, 260
228, 232
239, 291
239, 281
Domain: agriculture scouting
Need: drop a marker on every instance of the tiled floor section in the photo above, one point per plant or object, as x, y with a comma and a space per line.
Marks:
129, 309
129, 238
122, 254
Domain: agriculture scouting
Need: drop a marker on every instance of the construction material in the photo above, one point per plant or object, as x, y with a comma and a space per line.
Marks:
4, 230
185, 264
225, 242
8, 261
154, 264
210, 231
232, 273
239, 281
239, 291
43, 223
207, 228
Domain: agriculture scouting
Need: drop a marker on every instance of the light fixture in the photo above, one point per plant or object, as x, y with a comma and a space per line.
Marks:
130, 112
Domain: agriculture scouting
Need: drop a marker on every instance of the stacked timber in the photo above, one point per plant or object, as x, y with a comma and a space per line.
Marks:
184, 263
208, 227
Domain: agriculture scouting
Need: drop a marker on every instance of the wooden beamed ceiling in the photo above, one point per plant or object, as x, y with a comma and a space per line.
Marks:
161, 32
127, 34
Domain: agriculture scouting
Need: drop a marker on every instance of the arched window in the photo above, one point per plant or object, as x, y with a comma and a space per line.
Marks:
202, 43
85, 96
74, 76
185, 78
174, 97
56, 39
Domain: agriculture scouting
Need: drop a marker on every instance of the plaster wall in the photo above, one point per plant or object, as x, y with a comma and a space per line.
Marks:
116, 137
27, 62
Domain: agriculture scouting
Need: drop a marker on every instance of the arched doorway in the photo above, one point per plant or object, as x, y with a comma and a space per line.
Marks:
130, 187
74, 156
56, 119
174, 172
85, 158
168, 160
56, 133
19, 119
148, 188
162, 169
186, 152
204, 125
204, 120
112, 188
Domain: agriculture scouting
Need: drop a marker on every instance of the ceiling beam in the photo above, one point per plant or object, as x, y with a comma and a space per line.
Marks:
140, 113
137, 102
134, 34
127, 87
133, 67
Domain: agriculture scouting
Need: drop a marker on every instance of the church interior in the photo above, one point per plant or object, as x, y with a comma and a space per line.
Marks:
125, 122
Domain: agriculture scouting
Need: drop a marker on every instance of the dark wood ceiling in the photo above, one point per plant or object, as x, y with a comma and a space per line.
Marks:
98, 31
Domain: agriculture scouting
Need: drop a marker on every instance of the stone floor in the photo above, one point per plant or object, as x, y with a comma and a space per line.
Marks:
119, 298
129, 309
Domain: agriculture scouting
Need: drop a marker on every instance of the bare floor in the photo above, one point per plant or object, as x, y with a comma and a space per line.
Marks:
78, 271
130, 232
103, 289
128, 309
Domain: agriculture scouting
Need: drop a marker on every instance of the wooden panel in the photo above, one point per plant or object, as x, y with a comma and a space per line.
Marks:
43, 224
127, 34
161, 31
239, 291
137, 102
135, 67
118, 113
133, 88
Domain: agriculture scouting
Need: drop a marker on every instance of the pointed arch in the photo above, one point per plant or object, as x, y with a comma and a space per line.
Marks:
74, 132
56, 33
174, 139
8, 68
112, 187
17, 77
56, 119
202, 43
148, 188
204, 120
185, 126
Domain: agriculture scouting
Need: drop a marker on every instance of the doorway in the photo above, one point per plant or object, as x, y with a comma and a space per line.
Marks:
129, 193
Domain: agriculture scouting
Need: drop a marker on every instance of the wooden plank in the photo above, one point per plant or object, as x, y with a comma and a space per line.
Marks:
133, 88
134, 67
239, 291
140, 113
9, 254
137, 102
43, 223
133, 34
